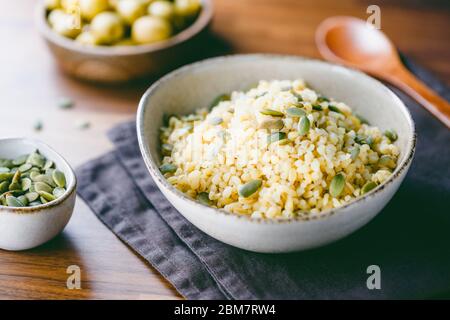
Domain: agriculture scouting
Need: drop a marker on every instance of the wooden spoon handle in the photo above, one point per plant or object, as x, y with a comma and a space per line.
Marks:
419, 91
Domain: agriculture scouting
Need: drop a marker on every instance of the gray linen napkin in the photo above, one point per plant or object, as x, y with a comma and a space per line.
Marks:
409, 240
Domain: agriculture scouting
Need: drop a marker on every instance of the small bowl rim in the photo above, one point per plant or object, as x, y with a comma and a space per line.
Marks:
156, 174
198, 26
43, 207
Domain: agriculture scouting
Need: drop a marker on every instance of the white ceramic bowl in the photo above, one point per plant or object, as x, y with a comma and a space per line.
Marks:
28, 227
196, 85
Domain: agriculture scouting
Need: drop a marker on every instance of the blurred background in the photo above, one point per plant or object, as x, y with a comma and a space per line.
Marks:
31, 83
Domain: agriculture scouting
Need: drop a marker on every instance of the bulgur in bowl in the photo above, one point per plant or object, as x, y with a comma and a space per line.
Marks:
293, 154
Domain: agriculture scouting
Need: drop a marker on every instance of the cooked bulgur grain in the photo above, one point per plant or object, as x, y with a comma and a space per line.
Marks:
295, 154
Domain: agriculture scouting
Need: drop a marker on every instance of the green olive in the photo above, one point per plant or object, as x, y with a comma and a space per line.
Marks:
149, 29
90, 8
54, 16
130, 10
162, 9
87, 38
107, 27
187, 8
65, 24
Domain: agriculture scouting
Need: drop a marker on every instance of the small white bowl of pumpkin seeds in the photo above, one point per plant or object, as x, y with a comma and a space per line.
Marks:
37, 193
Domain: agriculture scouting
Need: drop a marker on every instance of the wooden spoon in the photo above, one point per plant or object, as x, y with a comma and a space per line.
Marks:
353, 42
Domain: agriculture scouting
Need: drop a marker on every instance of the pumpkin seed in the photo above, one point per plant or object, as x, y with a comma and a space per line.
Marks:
334, 109
25, 175
218, 99
203, 197
368, 186
16, 177
46, 195
42, 200
391, 134
295, 112
15, 186
168, 168
59, 178
322, 99
19, 160
4, 169
58, 192
65, 103
284, 142
276, 124
36, 160
34, 174
166, 149
23, 199
4, 186
354, 152
246, 190
215, 121
361, 139
32, 196
6, 163
6, 176
303, 125
386, 161
82, 124
337, 185
48, 164
42, 187
26, 184
12, 201
276, 136
261, 95
25, 167
46, 179
38, 125
270, 112
317, 107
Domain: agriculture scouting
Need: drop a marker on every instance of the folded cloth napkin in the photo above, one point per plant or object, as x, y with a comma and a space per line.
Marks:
409, 240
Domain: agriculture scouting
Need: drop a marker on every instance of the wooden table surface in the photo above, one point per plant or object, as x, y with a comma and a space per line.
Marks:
30, 85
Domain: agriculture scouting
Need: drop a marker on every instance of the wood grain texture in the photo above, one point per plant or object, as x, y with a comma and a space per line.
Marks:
31, 84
